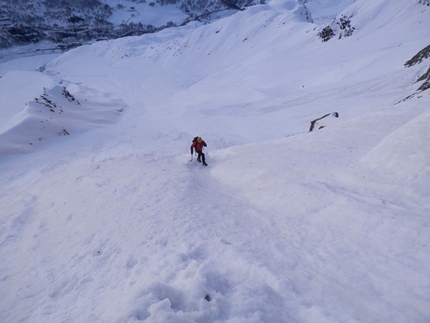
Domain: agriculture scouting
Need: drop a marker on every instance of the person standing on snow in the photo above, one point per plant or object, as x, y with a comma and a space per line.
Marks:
198, 144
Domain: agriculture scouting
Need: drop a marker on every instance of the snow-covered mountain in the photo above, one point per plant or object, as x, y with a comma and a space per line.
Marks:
77, 21
315, 204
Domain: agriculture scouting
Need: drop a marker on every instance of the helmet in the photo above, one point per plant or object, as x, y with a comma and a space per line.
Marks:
199, 140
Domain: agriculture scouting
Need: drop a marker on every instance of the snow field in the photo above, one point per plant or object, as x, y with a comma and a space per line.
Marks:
372, 225
112, 223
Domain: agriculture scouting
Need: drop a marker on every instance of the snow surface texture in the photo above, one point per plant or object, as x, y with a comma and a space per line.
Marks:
110, 222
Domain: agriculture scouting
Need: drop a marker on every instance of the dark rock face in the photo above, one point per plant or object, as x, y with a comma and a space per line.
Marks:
323, 121
418, 59
426, 78
341, 26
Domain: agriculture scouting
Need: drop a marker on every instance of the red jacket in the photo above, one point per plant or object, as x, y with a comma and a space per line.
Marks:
198, 146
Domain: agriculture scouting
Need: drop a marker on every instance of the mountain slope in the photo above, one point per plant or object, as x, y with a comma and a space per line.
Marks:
112, 223
71, 23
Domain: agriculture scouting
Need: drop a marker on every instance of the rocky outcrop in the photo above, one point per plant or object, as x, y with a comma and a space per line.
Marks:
426, 78
418, 59
323, 121
341, 27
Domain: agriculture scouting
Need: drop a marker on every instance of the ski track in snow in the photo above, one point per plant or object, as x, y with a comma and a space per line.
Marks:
203, 226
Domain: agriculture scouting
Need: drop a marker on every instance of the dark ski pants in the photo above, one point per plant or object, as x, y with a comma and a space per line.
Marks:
201, 156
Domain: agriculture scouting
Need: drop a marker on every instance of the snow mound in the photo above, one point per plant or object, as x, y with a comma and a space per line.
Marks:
403, 154
57, 112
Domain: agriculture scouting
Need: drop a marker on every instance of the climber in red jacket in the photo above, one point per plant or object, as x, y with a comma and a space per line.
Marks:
198, 144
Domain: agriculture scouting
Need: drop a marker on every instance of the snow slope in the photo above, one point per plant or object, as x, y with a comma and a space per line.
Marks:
112, 223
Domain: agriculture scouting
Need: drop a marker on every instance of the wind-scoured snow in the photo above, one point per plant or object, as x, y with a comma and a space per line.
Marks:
105, 219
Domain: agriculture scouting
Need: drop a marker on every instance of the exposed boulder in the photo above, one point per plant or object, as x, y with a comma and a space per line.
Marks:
323, 121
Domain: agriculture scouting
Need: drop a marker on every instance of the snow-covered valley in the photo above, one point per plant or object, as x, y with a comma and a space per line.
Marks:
103, 218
